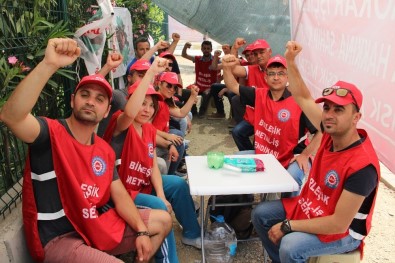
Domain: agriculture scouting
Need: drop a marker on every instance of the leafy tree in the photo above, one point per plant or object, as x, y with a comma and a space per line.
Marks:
147, 18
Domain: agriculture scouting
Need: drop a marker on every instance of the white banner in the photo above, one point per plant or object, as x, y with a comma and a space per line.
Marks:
122, 40
352, 41
91, 38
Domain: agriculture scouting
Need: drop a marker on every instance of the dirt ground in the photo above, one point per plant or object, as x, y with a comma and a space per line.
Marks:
207, 135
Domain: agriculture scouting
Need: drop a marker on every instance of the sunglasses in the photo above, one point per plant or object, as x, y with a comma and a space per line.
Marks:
169, 86
170, 64
341, 92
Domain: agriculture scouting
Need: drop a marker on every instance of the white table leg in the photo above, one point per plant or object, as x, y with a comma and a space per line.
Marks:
202, 215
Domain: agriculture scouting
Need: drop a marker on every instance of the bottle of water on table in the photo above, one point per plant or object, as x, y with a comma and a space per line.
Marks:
220, 242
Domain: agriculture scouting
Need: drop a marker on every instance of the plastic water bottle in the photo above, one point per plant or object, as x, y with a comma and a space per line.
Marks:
220, 242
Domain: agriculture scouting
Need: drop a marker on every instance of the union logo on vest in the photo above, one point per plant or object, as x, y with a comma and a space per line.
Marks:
98, 166
332, 179
283, 115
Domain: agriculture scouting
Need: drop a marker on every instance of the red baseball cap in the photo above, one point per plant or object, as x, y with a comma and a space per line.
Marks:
277, 59
140, 64
168, 55
98, 80
339, 100
171, 78
150, 90
249, 47
260, 44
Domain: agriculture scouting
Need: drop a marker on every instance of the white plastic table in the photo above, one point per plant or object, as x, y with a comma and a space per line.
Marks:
205, 181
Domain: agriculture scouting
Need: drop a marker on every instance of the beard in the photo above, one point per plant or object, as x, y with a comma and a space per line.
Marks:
90, 119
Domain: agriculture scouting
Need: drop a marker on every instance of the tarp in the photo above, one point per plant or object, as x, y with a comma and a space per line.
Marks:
352, 41
224, 20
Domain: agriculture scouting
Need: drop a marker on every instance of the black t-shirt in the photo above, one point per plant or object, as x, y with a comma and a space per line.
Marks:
46, 193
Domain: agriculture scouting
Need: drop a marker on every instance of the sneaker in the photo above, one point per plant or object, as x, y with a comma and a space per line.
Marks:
182, 175
200, 115
195, 242
182, 168
216, 116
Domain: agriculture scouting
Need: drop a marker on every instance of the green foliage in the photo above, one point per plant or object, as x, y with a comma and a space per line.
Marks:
157, 16
147, 18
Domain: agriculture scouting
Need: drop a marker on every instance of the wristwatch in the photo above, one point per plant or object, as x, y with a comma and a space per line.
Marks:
142, 233
286, 227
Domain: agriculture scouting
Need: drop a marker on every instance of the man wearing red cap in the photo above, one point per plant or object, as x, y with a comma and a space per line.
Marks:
280, 126
333, 213
70, 174
251, 76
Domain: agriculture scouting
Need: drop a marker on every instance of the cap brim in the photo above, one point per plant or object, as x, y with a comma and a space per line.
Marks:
335, 99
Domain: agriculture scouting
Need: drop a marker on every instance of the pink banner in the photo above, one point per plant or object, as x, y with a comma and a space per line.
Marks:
352, 41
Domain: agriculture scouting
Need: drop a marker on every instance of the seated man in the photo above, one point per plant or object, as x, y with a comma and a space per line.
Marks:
70, 174
280, 126
204, 78
333, 213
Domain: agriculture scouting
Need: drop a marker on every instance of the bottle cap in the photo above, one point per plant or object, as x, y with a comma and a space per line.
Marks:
220, 219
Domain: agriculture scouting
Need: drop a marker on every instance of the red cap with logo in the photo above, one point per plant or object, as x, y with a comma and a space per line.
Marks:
140, 64
167, 55
260, 44
171, 78
150, 90
277, 59
355, 97
98, 80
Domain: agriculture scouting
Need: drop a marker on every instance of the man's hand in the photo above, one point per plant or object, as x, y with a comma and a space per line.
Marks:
303, 162
114, 60
61, 52
162, 45
292, 49
275, 234
217, 53
194, 91
229, 61
159, 65
176, 37
239, 42
222, 92
177, 140
188, 45
143, 248
173, 154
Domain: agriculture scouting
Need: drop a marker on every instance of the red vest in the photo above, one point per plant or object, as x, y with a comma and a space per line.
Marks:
78, 168
162, 117
326, 181
137, 160
205, 77
256, 79
276, 126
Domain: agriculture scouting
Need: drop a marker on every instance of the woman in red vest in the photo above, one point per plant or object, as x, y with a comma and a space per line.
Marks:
133, 139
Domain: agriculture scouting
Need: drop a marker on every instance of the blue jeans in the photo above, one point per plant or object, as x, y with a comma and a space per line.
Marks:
295, 246
298, 176
293, 169
177, 193
180, 149
241, 135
